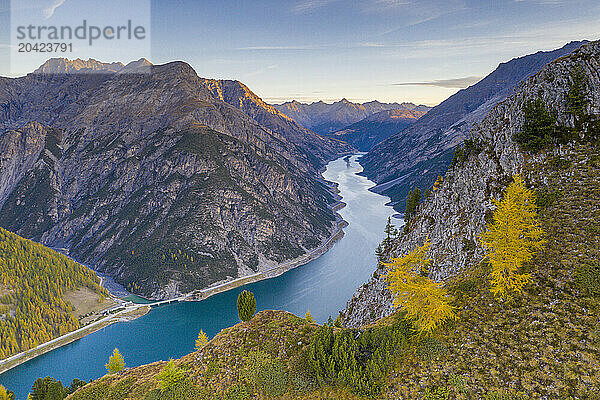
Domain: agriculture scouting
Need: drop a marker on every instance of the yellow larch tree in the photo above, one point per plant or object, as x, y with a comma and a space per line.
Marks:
512, 238
426, 302
202, 340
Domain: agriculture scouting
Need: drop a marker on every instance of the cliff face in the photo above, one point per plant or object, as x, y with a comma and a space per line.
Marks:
415, 156
455, 214
157, 181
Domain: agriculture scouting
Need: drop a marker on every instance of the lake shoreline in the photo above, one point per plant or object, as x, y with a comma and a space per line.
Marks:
196, 295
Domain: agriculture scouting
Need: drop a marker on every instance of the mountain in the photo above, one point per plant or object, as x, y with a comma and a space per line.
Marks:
366, 133
326, 118
319, 148
417, 155
157, 181
64, 66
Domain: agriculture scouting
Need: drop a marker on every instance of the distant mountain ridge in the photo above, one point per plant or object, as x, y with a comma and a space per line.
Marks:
79, 66
368, 132
325, 118
415, 156
167, 181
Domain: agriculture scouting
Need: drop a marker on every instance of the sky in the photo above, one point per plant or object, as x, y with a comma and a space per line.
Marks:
390, 50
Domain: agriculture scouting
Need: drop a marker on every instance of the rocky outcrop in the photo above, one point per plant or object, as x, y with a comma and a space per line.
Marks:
325, 118
455, 214
155, 179
417, 155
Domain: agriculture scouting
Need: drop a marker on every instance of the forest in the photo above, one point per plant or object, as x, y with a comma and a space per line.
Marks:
33, 282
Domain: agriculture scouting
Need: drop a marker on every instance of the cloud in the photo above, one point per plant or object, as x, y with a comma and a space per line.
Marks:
454, 83
49, 11
261, 71
307, 6
413, 12
542, 1
301, 47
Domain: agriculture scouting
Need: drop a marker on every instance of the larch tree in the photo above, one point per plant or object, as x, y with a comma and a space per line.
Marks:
308, 317
426, 302
512, 239
116, 363
202, 340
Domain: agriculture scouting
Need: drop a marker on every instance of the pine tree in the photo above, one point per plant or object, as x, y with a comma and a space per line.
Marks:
385, 248
309, 317
116, 363
246, 305
512, 238
426, 302
202, 340
577, 97
414, 197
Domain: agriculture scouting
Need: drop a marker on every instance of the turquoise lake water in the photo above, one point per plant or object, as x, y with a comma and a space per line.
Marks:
324, 286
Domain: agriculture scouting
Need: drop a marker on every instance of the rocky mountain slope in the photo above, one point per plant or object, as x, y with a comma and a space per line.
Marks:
455, 214
327, 118
416, 156
366, 133
317, 148
154, 179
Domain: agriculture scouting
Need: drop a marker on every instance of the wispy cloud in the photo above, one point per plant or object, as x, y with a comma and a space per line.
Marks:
543, 1
301, 47
307, 6
454, 83
413, 12
261, 71
49, 11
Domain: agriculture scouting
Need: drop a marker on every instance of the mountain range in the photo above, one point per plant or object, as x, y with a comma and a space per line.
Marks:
162, 179
417, 155
368, 132
325, 118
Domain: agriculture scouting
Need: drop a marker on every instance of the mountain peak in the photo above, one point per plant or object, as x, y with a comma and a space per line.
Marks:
66, 66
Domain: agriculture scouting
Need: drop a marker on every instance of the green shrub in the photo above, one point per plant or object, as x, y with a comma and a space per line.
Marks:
458, 383
246, 305
237, 392
430, 347
354, 358
439, 393
504, 395
544, 198
267, 375
470, 147
558, 163
538, 128
587, 279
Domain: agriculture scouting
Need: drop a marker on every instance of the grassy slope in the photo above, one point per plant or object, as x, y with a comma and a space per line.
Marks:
545, 342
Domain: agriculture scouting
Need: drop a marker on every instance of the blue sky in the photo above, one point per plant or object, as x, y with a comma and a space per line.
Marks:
361, 50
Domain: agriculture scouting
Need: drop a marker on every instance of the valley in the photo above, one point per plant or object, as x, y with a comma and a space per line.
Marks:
301, 200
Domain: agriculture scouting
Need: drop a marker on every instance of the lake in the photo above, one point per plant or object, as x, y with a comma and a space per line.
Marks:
322, 286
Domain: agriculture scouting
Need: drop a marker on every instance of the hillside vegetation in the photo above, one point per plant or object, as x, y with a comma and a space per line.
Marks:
541, 344
34, 284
